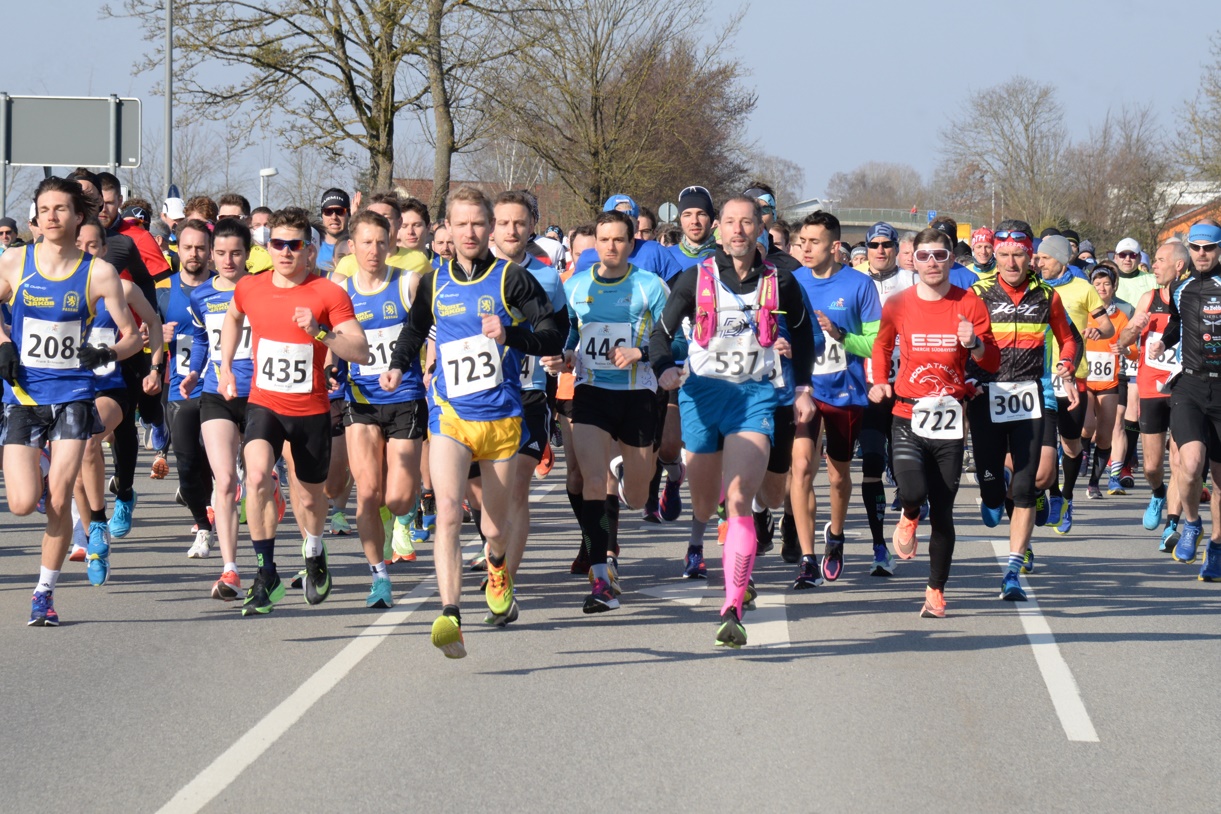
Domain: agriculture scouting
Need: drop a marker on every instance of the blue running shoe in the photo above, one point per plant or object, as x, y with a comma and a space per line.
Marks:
1040, 510
991, 516
1066, 519
42, 611
160, 436
97, 553
1011, 588
883, 563
924, 511
1028, 560
695, 568
120, 521
1189, 541
1055, 510
1114, 487
1153, 513
1170, 538
1211, 570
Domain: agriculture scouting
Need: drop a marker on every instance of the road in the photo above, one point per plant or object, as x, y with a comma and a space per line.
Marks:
153, 697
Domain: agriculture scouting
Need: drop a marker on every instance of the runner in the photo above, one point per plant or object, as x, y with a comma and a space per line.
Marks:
54, 289
336, 209
928, 398
475, 408
1105, 386
1131, 286
728, 401
983, 253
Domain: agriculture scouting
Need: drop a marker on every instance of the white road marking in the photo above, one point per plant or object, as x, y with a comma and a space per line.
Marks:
766, 626
688, 592
1061, 685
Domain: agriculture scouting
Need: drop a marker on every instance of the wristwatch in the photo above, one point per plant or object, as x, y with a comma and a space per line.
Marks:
322, 334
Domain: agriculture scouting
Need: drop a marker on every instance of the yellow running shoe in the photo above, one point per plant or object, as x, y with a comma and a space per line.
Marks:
499, 592
447, 637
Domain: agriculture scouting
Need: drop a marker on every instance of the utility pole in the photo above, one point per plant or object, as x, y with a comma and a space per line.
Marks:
168, 170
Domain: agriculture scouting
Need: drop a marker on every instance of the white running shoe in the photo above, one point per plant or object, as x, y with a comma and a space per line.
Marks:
201, 549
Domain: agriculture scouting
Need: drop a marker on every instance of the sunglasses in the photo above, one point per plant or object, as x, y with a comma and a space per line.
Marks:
881, 244
936, 255
696, 190
1018, 236
279, 245
1127, 255
334, 211
1202, 247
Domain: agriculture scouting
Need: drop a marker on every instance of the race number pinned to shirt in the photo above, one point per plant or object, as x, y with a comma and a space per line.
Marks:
735, 359
599, 340
471, 365
834, 359
938, 418
182, 354
285, 367
103, 338
1101, 366
1057, 386
1165, 360
1128, 367
214, 323
1014, 401
382, 342
50, 345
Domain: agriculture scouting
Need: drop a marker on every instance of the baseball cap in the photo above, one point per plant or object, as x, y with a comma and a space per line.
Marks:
1127, 245
615, 201
982, 235
174, 208
135, 213
335, 197
882, 230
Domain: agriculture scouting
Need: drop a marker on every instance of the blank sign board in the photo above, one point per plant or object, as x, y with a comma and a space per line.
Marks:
61, 131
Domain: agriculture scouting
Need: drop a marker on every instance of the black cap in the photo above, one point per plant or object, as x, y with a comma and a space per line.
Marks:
336, 197
1071, 235
9, 222
1050, 231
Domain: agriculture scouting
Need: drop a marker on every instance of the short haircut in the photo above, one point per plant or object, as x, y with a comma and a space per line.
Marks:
82, 203
519, 198
908, 237
83, 174
368, 216
645, 212
783, 227
260, 210
232, 227
471, 196
584, 230
1178, 251
202, 205
420, 208
824, 219
109, 183
199, 226
97, 224
743, 199
291, 217
233, 199
390, 199
931, 235
615, 216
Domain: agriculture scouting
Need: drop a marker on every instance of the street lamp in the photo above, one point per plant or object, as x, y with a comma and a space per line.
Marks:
264, 174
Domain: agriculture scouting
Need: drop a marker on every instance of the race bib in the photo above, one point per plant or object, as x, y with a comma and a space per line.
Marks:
776, 375
1101, 366
214, 323
1014, 401
103, 338
736, 359
1165, 361
1128, 367
285, 367
471, 365
529, 364
182, 353
599, 340
834, 359
938, 418
50, 345
1057, 386
382, 342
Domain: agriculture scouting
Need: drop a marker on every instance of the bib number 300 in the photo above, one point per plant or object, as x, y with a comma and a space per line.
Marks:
1014, 401
938, 418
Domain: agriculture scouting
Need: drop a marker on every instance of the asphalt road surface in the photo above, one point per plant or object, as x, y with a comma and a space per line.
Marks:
1099, 695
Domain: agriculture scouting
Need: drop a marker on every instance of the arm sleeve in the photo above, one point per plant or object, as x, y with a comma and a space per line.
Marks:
574, 335
199, 344
1174, 326
871, 312
546, 335
680, 304
884, 343
414, 332
1062, 328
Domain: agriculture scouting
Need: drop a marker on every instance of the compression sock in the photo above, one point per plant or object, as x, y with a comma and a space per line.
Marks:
1098, 467
575, 500
1072, 470
596, 529
612, 524
698, 528
265, 555
1160, 491
738, 560
1132, 430
873, 495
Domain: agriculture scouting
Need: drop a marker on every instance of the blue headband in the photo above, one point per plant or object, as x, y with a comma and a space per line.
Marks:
1204, 233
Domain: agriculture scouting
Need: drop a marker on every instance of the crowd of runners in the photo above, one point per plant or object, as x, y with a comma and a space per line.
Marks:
433, 370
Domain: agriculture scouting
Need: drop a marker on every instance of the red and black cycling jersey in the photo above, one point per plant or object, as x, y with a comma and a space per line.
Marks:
1021, 318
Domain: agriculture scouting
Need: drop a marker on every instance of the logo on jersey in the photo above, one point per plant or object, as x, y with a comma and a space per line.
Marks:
934, 341
457, 309
389, 311
36, 302
838, 304
735, 326
486, 305
364, 316
72, 301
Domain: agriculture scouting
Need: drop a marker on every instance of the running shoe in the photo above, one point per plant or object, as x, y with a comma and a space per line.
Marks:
883, 563
419, 535
42, 610
228, 587
120, 521
934, 604
1153, 512
545, 464
1066, 519
748, 598
1211, 570
78, 553
832, 555
731, 633
905, 537
924, 511
201, 549
722, 531
968, 461
601, 599
1093, 492
278, 497
652, 511
263, 594
468, 516
1055, 510
670, 507
1125, 478
97, 553
1170, 538
499, 594
990, 516
580, 564
317, 582
380, 595
161, 467
694, 566
1041, 509
447, 637
1186, 550
1205, 495
1114, 487
500, 620
1028, 560
765, 531
479, 562
428, 512
616, 467
809, 575
790, 546
339, 525
612, 570
1011, 588
159, 437
400, 541
897, 503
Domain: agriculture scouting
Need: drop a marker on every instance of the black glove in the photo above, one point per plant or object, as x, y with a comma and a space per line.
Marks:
332, 376
93, 358
9, 362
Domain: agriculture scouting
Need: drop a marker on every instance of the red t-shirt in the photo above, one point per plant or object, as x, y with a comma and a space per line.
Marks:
932, 361
150, 252
288, 377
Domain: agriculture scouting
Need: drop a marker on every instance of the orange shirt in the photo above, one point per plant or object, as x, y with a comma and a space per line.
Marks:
1102, 355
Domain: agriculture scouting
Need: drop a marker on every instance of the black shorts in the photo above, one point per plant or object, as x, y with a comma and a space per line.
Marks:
1195, 413
338, 409
213, 406
564, 407
33, 425
780, 459
1070, 421
1123, 390
306, 435
1154, 416
407, 420
535, 424
1051, 434
628, 416
120, 396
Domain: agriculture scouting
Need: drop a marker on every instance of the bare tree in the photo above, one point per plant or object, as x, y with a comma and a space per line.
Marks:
204, 158
1198, 143
878, 184
784, 176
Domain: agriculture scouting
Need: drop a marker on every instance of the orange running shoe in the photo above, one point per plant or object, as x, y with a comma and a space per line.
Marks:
278, 497
905, 537
722, 528
544, 466
160, 467
934, 604
78, 554
228, 587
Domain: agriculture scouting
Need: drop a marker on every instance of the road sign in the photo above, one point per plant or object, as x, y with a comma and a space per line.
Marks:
668, 212
932, 213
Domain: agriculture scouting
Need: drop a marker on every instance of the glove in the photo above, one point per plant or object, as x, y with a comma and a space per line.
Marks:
92, 358
9, 362
332, 376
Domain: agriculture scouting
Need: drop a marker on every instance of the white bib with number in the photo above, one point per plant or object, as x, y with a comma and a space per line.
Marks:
381, 347
938, 418
1014, 401
182, 353
736, 359
1166, 360
1102, 366
103, 338
528, 365
834, 359
285, 367
214, 323
1057, 386
50, 345
1128, 367
599, 340
471, 365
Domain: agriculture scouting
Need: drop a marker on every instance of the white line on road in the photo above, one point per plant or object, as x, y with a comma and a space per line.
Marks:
766, 626
1065, 695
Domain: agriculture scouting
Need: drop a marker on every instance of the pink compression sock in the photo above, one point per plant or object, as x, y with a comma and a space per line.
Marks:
738, 560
